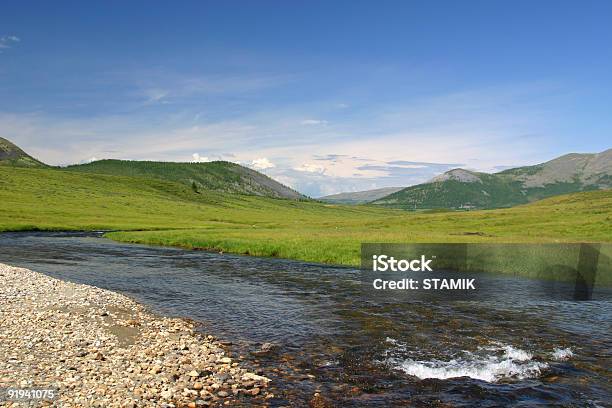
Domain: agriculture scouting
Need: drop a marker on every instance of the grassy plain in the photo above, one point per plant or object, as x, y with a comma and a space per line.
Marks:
158, 212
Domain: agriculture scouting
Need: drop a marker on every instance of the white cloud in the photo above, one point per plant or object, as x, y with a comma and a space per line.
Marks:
412, 166
311, 168
158, 85
196, 158
313, 122
91, 159
7, 41
262, 164
478, 129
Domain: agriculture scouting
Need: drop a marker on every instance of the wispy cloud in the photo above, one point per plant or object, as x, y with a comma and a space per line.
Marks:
387, 145
329, 157
160, 86
311, 168
418, 165
313, 122
7, 41
154, 95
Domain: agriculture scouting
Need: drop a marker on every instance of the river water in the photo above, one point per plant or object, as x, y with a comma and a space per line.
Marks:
331, 338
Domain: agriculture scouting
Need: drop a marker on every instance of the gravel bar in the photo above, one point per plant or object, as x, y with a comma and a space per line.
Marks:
97, 348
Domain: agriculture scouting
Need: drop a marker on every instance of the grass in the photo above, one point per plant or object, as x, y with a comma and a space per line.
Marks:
161, 212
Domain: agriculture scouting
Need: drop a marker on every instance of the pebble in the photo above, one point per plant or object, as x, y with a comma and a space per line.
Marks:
98, 348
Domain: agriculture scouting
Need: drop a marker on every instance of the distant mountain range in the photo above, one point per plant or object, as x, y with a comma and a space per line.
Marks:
360, 197
455, 189
218, 175
465, 189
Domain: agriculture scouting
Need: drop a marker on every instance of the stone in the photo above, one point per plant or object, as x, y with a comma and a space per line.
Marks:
165, 363
266, 347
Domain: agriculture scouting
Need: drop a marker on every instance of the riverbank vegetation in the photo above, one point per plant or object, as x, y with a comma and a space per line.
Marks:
153, 211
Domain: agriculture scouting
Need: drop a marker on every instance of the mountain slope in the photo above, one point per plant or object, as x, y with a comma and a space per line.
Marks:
459, 188
219, 176
586, 169
359, 197
11, 155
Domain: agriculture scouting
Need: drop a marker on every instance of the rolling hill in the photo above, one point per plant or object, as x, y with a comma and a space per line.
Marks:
56, 199
359, 197
11, 155
218, 176
464, 189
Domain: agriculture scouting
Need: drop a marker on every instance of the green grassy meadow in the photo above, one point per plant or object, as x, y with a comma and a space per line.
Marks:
153, 211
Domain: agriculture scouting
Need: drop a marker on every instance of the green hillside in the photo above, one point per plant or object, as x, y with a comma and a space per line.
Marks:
52, 198
464, 189
219, 176
489, 192
11, 155
149, 210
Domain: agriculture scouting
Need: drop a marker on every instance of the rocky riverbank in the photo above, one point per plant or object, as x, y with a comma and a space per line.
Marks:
97, 348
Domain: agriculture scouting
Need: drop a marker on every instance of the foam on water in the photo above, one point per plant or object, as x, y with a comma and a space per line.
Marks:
490, 364
562, 354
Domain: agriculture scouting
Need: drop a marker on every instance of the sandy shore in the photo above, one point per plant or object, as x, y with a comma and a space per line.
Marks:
98, 348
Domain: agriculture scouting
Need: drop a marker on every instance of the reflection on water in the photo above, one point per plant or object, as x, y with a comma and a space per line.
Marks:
356, 350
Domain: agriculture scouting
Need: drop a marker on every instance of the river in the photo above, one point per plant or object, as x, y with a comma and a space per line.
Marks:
330, 338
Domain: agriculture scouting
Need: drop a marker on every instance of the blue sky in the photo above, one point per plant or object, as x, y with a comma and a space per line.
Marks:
324, 96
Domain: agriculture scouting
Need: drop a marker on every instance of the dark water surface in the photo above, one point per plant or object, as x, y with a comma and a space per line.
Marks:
332, 338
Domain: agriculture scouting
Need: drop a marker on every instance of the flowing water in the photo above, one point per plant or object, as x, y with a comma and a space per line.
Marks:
353, 349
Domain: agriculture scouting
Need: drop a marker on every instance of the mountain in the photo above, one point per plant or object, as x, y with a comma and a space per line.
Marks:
11, 155
359, 197
218, 175
460, 188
